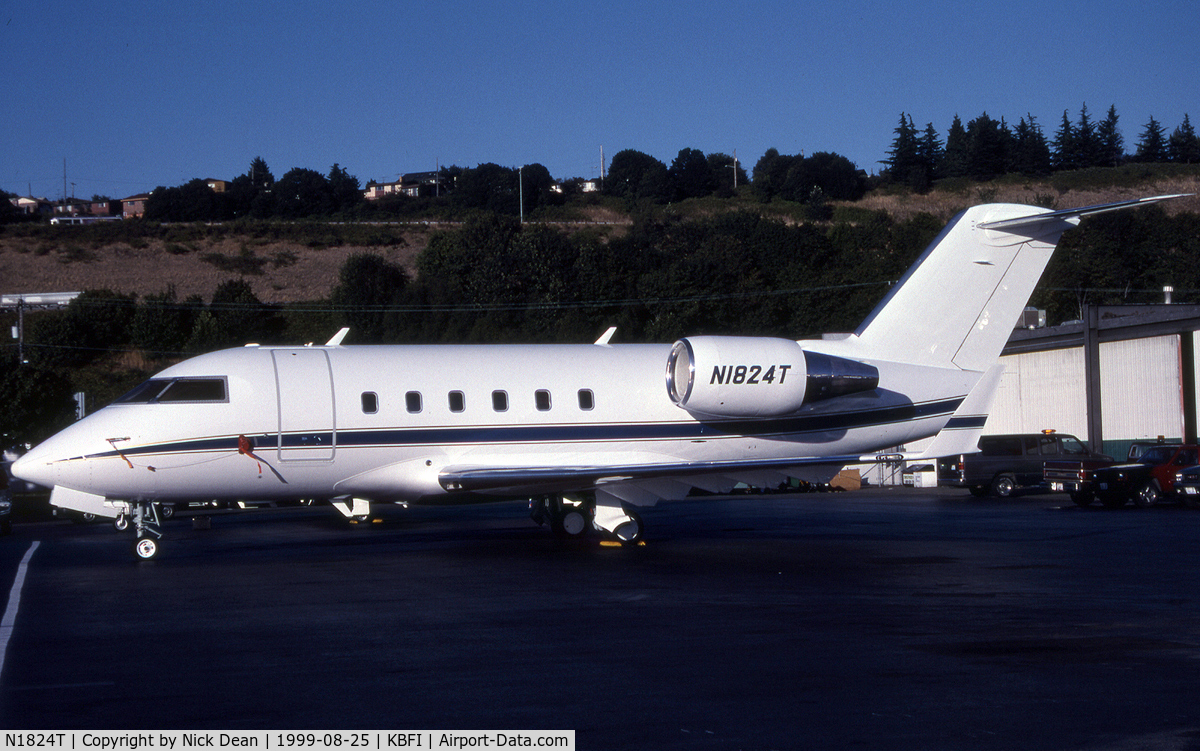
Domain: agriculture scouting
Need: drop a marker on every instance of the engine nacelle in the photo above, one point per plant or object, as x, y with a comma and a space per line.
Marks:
747, 376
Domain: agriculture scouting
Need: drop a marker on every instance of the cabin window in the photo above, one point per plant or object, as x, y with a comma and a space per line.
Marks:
412, 401
541, 399
370, 402
457, 401
177, 390
587, 400
500, 401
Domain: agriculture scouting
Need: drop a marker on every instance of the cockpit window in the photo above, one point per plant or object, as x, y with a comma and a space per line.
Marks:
144, 392
160, 390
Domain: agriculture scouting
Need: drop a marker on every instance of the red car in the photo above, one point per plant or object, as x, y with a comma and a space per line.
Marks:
1147, 480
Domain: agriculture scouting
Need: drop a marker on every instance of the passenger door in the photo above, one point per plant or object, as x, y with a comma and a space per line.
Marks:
306, 410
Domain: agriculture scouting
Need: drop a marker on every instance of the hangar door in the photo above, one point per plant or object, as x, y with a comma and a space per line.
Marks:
306, 416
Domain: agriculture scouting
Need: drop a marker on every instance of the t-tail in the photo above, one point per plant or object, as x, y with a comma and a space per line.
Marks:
967, 290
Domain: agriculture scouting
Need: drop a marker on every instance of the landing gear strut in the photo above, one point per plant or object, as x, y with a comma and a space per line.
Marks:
618, 519
569, 518
572, 518
148, 525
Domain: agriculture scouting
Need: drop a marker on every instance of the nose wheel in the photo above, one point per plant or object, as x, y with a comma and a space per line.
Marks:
145, 548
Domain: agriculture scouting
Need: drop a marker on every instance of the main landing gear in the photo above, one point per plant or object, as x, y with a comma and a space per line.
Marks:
573, 518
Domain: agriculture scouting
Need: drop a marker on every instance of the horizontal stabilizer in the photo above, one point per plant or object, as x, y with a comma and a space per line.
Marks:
1074, 214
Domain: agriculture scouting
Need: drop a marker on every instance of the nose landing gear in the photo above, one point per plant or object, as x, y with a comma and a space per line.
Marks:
148, 525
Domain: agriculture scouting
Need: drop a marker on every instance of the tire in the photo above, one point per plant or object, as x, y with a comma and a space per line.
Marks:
146, 548
571, 524
1004, 486
1147, 494
121, 523
979, 491
631, 532
1083, 498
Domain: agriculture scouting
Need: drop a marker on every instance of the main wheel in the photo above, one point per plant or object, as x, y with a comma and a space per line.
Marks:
1004, 486
571, 523
146, 548
1147, 494
631, 532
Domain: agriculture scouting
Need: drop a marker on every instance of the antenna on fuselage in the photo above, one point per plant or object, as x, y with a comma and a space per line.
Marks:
336, 341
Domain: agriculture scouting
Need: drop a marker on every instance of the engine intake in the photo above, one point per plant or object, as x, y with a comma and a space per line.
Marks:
745, 376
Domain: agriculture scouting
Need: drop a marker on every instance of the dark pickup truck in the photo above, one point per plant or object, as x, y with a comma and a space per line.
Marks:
1147, 480
1008, 462
1074, 476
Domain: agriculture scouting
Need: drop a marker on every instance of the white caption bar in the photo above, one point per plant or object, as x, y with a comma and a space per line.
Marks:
284, 740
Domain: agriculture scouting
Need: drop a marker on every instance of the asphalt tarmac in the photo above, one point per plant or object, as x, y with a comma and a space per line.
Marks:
878, 619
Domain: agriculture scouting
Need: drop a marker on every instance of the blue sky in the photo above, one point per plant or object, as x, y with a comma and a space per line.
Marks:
138, 94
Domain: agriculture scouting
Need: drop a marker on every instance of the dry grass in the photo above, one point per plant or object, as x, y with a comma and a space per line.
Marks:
945, 204
290, 272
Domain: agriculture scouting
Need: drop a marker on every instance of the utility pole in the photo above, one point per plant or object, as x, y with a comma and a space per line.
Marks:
521, 192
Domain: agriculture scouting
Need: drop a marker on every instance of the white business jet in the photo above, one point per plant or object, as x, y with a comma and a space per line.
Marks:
589, 432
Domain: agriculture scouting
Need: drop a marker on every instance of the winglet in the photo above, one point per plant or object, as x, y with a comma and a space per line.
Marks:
606, 336
336, 341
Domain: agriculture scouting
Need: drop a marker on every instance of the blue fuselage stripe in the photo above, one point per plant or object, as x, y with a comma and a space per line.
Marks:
781, 428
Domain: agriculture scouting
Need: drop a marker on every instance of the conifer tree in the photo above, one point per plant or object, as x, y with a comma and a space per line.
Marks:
1087, 145
1031, 153
931, 153
904, 156
1152, 146
1065, 154
955, 161
1112, 145
1184, 146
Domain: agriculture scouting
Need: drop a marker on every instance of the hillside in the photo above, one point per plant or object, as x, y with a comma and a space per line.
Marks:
279, 271
304, 266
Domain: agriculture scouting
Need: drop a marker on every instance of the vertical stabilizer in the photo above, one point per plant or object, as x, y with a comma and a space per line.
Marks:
958, 304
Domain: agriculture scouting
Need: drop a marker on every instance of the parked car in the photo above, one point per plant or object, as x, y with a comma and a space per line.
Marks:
1147, 480
1006, 463
1187, 486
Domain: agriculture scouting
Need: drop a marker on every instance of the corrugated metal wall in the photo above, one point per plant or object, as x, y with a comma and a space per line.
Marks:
1039, 391
1140, 385
1141, 391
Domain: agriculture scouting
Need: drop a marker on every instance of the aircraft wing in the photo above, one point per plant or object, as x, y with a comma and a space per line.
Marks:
636, 483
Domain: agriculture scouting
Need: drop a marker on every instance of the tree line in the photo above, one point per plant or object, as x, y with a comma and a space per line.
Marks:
985, 148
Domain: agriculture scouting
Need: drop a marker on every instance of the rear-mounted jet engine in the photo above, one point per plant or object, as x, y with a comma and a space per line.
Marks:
745, 376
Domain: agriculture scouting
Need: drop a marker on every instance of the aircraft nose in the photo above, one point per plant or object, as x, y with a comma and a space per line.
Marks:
36, 467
